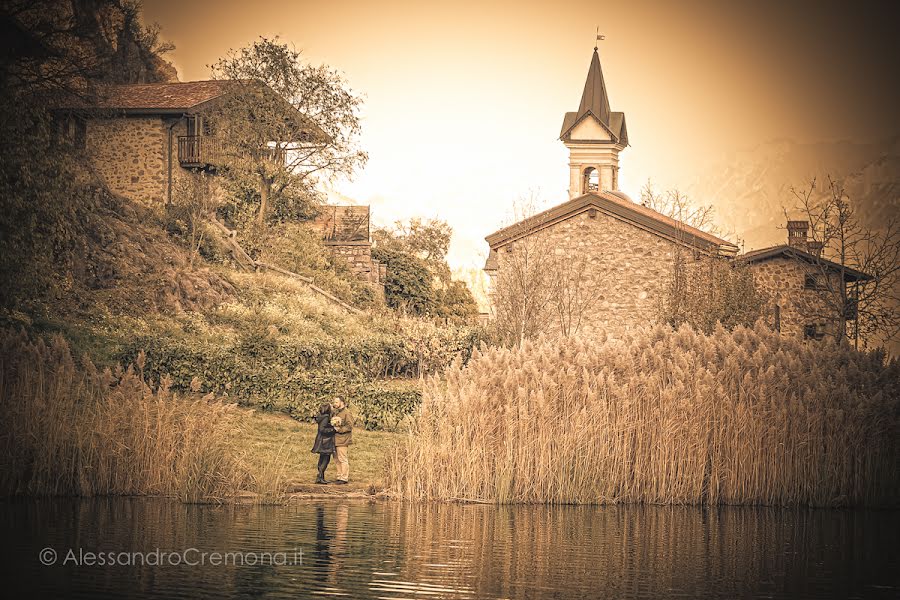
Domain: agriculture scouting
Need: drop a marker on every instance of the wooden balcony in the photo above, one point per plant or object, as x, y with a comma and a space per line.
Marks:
196, 151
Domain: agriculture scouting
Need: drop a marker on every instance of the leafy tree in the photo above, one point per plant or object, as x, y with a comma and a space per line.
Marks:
408, 286
455, 302
55, 48
285, 126
425, 242
428, 240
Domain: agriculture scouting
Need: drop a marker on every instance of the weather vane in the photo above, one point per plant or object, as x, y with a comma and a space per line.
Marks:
599, 37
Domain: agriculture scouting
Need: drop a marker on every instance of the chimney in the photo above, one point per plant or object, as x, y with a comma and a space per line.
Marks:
797, 234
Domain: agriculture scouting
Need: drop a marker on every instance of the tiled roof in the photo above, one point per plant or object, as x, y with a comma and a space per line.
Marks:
162, 97
617, 205
787, 251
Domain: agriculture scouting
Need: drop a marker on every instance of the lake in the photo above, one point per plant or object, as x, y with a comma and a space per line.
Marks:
143, 548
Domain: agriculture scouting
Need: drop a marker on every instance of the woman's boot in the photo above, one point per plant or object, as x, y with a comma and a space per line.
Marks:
324, 459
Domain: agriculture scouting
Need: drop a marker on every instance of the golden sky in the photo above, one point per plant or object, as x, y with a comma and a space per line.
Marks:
464, 100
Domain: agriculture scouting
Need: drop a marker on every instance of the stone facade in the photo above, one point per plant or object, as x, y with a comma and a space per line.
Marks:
129, 153
137, 156
792, 306
358, 256
626, 269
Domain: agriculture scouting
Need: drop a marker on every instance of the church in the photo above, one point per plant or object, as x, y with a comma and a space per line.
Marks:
619, 255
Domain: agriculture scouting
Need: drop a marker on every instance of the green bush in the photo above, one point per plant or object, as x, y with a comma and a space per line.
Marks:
408, 283
290, 378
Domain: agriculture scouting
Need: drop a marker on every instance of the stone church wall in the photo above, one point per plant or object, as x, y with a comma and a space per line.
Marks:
626, 268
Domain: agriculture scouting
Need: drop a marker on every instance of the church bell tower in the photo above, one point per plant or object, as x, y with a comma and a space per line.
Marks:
594, 136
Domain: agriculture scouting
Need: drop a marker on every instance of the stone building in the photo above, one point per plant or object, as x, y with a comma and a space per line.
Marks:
804, 290
141, 138
624, 253
345, 231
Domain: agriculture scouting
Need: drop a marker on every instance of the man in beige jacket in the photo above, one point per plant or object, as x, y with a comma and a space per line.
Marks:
342, 421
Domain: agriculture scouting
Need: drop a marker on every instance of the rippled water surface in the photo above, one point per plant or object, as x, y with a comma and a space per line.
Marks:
394, 550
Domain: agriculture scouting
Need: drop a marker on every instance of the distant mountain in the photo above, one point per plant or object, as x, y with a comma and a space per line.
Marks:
749, 189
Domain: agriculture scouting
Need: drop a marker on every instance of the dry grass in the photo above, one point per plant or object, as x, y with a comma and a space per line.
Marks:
660, 417
72, 429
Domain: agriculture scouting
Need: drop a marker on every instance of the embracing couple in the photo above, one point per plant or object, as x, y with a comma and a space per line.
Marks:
334, 436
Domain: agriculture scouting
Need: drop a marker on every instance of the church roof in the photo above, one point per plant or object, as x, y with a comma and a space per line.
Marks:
593, 98
620, 207
616, 126
595, 103
787, 251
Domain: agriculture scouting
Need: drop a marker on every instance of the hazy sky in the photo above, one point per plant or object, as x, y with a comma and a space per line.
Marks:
464, 100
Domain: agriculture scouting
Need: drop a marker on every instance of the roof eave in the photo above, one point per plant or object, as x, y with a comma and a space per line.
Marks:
850, 274
581, 203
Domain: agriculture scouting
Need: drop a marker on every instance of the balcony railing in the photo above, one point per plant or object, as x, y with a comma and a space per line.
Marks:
199, 151
203, 151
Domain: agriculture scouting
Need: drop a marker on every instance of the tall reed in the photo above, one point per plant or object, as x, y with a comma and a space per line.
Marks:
660, 416
69, 428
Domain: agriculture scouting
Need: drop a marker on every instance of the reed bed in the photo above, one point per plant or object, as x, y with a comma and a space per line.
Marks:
659, 416
72, 429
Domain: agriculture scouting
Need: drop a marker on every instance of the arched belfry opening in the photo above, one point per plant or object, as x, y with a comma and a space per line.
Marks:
591, 181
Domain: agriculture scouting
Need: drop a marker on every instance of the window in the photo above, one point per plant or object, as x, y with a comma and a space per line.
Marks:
591, 180
194, 125
778, 317
814, 331
813, 281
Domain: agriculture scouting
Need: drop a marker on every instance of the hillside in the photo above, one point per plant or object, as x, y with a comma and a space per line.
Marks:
263, 339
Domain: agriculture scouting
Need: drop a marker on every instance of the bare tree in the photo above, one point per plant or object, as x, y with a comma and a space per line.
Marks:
196, 196
710, 292
868, 308
573, 295
538, 289
680, 207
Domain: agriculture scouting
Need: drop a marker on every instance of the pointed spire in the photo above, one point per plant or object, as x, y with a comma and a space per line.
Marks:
594, 97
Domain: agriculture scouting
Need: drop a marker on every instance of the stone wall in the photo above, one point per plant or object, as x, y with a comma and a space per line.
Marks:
783, 279
129, 153
358, 256
626, 268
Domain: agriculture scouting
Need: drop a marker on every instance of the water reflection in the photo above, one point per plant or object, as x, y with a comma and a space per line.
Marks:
393, 550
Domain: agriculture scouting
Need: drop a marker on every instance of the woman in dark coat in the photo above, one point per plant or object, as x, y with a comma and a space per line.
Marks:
324, 444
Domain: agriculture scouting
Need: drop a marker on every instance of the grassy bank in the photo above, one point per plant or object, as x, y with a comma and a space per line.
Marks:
268, 437
73, 429
747, 417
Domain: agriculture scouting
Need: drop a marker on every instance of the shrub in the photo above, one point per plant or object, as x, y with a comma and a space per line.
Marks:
661, 416
408, 283
281, 373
